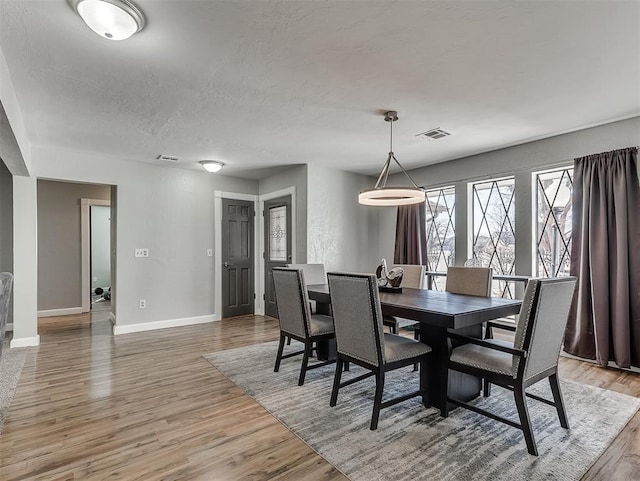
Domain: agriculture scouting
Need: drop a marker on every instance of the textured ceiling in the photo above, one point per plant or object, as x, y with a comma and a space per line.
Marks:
258, 84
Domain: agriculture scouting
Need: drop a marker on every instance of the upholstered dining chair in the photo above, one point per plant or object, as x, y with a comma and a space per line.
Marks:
471, 281
532, 356
357, 316
313, 274
296, 320
413, 277
6, 282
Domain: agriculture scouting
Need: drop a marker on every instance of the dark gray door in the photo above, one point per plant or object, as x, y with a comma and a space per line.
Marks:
237, 258
277, 245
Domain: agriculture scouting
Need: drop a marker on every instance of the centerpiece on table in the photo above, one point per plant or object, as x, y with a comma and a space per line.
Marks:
389, 280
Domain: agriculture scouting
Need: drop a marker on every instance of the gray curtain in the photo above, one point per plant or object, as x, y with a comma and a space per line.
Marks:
605, 256
411, 235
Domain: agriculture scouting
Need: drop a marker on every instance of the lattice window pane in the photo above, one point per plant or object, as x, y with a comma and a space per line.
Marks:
553, 234
278, 234
441, 234
494, 236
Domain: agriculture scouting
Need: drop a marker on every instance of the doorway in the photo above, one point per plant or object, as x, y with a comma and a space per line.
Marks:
238, 273
97, 267
100, 258
277, 245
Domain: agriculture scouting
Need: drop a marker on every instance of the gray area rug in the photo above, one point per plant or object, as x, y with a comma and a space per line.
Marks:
11, 365
414, 443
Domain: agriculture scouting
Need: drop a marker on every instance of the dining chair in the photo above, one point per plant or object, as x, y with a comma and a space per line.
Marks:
532, 357
471, 281
360, 339
313, 273
296, 320
6, 282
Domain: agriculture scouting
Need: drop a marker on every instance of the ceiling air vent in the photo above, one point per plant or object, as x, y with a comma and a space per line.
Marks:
169, 158
434, 134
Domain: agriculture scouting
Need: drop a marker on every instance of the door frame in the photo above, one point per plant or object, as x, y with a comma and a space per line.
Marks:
258, 203
85, 247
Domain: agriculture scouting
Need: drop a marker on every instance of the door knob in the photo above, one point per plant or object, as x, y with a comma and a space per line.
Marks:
226, 264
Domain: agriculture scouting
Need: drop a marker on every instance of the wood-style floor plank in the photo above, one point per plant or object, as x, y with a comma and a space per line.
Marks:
148, 406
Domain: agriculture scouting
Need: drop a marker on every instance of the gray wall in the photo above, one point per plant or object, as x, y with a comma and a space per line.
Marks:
168, 210
296, 177
59, 247
339, 230
520, 161
6, 225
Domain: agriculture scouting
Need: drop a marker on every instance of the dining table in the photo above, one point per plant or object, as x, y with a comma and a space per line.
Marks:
438, 313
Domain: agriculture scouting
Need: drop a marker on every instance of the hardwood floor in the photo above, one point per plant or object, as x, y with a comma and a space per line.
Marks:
148, 406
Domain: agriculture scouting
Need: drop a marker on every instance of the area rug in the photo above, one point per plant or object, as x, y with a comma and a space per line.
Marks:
415, 443
11, 365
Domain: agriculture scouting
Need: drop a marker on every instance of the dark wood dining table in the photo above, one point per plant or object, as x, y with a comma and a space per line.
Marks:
437, 312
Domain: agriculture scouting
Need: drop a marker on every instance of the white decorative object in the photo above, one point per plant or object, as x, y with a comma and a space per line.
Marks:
389, 278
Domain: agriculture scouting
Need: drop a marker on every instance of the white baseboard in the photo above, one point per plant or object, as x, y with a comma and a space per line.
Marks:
112, 318
150, 326
60, 312
25, 342
9, 327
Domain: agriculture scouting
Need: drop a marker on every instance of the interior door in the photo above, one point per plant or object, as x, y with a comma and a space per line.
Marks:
277, 245
238, 281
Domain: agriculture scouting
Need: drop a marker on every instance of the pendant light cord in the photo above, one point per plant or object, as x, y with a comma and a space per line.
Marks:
384, 174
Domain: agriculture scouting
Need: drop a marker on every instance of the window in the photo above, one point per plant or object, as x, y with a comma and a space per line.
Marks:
278, 234
441, 234
554, 191
494, 238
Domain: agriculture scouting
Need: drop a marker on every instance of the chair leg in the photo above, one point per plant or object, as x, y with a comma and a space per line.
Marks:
288, 341
347, 366
394, 329
444, 395
557, 398
416, 336
486, 388
336, 382
305, 362
488, 332
525, 422
377, 400
279, 355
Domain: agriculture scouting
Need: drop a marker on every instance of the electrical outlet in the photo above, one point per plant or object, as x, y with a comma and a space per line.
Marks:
209, 252
141, 252
142, 304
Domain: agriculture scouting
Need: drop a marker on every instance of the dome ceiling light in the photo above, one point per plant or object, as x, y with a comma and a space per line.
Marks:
111, 19
212, 165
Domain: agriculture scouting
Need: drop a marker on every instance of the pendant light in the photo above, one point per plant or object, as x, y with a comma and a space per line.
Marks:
381, 195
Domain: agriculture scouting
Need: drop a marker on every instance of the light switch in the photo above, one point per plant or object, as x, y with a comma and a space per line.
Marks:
209, 252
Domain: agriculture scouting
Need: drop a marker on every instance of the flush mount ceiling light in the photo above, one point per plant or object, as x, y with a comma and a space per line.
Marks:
381, 195
212, 165
111, 19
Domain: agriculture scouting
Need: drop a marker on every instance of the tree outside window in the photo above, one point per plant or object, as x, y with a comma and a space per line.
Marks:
553, 227
441, 234
494, 237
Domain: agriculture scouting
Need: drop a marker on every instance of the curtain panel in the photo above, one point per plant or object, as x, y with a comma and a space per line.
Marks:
604, 323
411, 235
